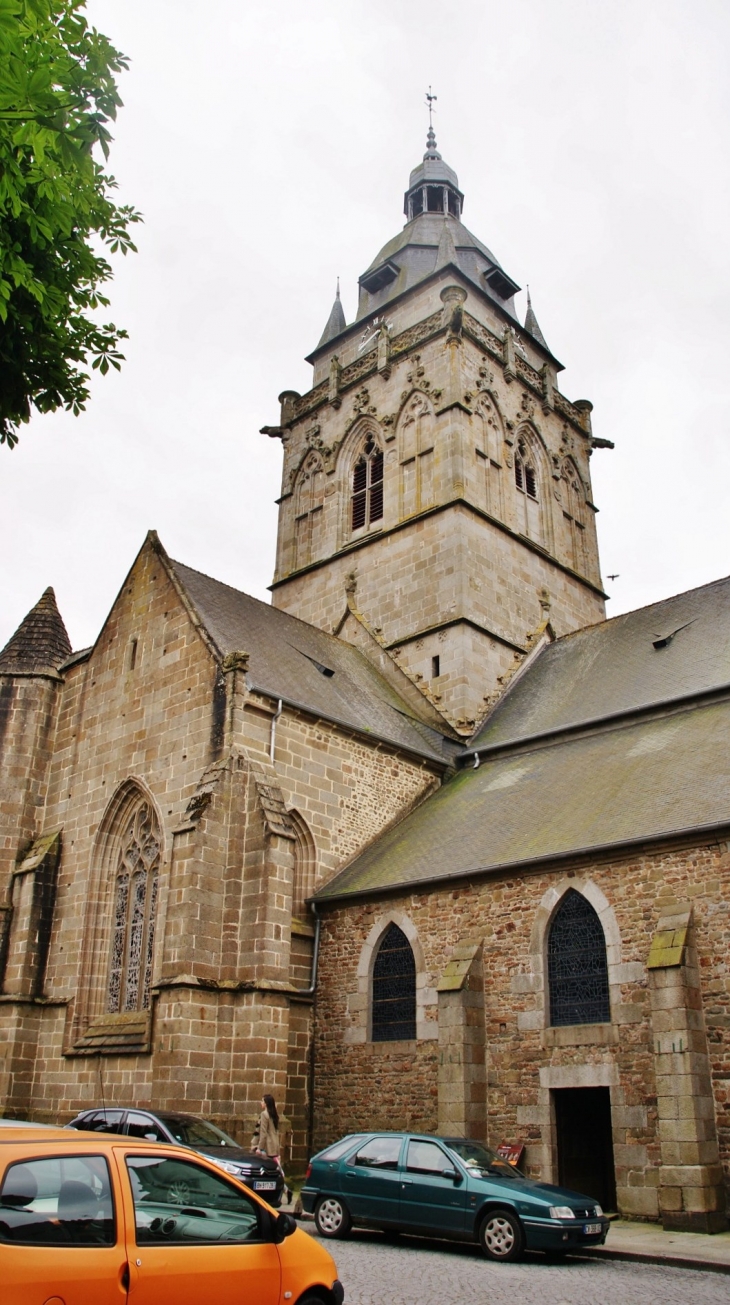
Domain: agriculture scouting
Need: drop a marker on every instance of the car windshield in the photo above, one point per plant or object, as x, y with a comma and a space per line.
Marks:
479, 1160
196, 1132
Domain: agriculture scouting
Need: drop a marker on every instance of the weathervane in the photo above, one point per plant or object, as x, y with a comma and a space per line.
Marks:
430, 97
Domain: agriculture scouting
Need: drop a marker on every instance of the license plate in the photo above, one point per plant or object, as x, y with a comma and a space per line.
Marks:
268, 1187
591, 1229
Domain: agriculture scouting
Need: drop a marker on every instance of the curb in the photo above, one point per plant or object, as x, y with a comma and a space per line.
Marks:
667, 1261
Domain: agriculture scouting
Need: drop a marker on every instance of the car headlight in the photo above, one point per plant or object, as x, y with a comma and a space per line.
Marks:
598, 1211
561, 1212
229, 1168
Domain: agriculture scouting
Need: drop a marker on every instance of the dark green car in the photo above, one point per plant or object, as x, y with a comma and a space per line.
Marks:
445, 1187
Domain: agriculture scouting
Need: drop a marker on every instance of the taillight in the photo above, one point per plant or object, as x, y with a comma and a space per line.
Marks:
306, 1176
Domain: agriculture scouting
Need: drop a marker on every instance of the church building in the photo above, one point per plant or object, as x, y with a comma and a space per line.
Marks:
426, 842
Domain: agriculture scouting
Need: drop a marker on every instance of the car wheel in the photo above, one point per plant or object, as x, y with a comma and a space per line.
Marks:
501, 1236
332, 1217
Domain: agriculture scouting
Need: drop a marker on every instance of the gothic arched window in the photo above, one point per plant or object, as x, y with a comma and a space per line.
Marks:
367, 486
135, 909
309, 510
394, 988
305, 866
527, 485
573, 498
577, 964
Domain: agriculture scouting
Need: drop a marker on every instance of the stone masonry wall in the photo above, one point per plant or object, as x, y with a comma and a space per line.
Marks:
525, 1058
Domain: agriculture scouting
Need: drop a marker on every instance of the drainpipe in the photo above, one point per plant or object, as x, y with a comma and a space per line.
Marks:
274, 719
310, 992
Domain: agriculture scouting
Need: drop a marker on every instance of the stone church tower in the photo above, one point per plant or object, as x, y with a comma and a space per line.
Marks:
436, 493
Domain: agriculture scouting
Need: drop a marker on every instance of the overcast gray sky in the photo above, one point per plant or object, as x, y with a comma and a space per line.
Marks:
269, 142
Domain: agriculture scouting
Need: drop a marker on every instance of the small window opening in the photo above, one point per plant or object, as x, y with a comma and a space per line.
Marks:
435, 667
453, 203
525, 477
133, 655
435, 199
530, 482
416, 203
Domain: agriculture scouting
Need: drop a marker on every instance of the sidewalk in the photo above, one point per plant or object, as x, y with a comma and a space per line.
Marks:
647, 1241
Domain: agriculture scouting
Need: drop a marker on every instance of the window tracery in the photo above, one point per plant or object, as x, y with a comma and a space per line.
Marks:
573, 499
135, 911
489, 454
394, 989
309, 510
417, 456
529, 513
577, 964
367, 487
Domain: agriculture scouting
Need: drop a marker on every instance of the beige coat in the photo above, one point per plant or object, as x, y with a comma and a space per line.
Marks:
268, 1136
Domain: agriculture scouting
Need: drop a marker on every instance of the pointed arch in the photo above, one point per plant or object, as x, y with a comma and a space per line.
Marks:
416, 445
119, 944
489, 453
362, 479
393, 1001
309, 509
573, 502
531, 480
305, 865
577, 964
360, 1002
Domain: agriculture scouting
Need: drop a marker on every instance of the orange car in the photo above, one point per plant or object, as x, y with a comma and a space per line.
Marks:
93, 1219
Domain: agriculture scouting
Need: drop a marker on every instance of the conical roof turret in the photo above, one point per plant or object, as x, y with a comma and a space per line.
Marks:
40, 642
336, 323
532, 325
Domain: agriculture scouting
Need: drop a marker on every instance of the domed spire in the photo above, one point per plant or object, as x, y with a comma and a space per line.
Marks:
335, 322
434, 186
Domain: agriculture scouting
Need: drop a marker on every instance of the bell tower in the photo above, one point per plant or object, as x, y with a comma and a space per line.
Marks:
436, 499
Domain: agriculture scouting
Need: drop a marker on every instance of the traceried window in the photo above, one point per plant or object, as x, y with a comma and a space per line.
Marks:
394, 989
526, 482
577, 964
367, 487
309, 510
135, 910
416, 442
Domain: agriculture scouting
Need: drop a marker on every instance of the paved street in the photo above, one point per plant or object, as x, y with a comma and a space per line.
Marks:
410, 1271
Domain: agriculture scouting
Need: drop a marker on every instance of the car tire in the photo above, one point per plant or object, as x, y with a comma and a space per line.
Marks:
501, 1236
332, 1217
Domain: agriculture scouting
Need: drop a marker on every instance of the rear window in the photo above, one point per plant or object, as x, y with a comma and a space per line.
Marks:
59, 1201
339, 1148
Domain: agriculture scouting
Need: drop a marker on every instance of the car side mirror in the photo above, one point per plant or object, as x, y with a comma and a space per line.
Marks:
284, 1226
453, 1174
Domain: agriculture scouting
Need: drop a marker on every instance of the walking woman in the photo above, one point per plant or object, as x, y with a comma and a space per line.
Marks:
267, 1142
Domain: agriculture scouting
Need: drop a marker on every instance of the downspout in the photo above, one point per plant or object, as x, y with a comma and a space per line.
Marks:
274, 719
310, 992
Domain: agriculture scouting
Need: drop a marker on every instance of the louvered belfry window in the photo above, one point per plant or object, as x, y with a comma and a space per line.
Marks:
394, 989
367, 486
525, 478
577, 964
135, 911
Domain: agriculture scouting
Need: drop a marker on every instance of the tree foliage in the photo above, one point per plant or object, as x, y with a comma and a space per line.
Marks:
58, 94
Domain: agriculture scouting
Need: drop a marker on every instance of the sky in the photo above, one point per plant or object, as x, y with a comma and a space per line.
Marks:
268, 144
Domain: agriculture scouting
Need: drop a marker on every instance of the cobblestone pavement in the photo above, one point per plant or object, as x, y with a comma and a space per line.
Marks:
410, 1271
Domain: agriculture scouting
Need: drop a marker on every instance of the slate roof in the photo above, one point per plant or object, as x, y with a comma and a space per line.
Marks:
414, 251
605, 740
613, 667
40, 642
336, 323
307, 667
640, 782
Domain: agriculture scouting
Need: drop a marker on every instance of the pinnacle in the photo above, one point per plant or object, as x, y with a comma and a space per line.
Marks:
532, 325
336, 323
40, 642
